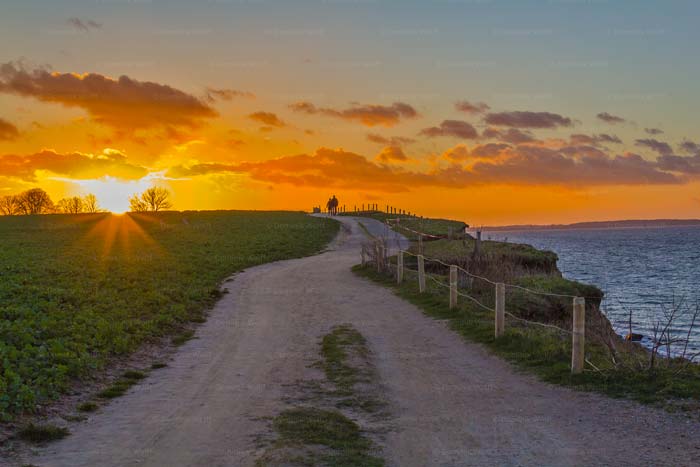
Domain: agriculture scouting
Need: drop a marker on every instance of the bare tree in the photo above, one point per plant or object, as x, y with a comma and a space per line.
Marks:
9, 205
90, 204
136, 204
73, 205
154, 199
35, 201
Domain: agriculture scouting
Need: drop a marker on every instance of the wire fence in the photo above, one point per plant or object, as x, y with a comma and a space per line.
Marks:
376, 253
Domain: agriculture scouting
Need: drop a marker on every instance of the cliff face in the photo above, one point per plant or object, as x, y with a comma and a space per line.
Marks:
527, 267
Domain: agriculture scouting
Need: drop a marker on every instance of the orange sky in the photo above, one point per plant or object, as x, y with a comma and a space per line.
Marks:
253, 135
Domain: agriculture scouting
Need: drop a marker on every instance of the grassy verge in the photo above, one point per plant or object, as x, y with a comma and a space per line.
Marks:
425, 225
78, 290
327, 429
547, 353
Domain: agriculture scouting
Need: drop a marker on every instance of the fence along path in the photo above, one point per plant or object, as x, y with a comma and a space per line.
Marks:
380, 254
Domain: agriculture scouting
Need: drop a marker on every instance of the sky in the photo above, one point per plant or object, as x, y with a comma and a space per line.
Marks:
488, 111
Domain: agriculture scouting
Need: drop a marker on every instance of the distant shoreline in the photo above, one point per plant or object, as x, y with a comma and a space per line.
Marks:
602, 225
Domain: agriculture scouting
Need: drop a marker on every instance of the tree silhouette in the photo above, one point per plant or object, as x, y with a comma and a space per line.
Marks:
73, 205
90, 204
9, 205
154, 199
35, 201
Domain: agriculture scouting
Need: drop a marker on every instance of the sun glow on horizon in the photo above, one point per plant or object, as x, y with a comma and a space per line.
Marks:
113, 193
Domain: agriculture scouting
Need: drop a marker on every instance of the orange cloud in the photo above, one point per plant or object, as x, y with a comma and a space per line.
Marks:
213, 94
268, 118
72, 165
522, 165
8, 131
368, 115
124, 103
391, 154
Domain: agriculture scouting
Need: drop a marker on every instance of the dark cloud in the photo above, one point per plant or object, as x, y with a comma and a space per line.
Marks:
690, 147
512, 135
609, 118
73, 165
83, 25
392, 141
471, 107
655, 145
368, 115
391, 154
527, 119
455, 128
8, 131
490, 149
653, 131
268, 118
594, 140
213, 94
685, 165
124, 103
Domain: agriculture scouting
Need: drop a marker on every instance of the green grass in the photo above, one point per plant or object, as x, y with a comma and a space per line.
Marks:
78, 290
88, 407
547, 353
42, 433
514, 253
336, 348
158, 365
346, 444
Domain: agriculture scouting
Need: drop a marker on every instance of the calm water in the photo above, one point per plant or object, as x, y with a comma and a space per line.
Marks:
641, 270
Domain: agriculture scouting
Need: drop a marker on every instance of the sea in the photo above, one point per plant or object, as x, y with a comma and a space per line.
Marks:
649, 272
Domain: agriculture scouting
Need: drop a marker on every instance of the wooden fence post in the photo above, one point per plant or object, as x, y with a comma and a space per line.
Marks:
453, 286
378, 253
421, 274
420, 244
579, 336
500, 308
399, 268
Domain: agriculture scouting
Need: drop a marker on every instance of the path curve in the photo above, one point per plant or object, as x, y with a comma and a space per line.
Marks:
452, 402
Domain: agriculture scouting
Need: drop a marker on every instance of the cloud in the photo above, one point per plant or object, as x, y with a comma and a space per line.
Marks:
391, 154
124, 103
83, 25
685, 165
512, 135
524, 165
536, 165
594, 140
527, 119
653, 131
471, 108
213, 94
690, 147
461, 153
8, 131
72, 165
267, 118
609, 118
655, 145
368, 115
454, 128
393, 141
327, 168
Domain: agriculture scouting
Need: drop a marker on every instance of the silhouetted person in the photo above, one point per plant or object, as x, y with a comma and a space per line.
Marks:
334, 205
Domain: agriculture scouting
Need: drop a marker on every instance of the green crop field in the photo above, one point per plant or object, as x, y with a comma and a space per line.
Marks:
76, 290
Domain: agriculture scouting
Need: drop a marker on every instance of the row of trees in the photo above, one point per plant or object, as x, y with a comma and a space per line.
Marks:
37, 201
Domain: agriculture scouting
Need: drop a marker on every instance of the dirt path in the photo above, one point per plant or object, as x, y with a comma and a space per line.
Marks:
452, 403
